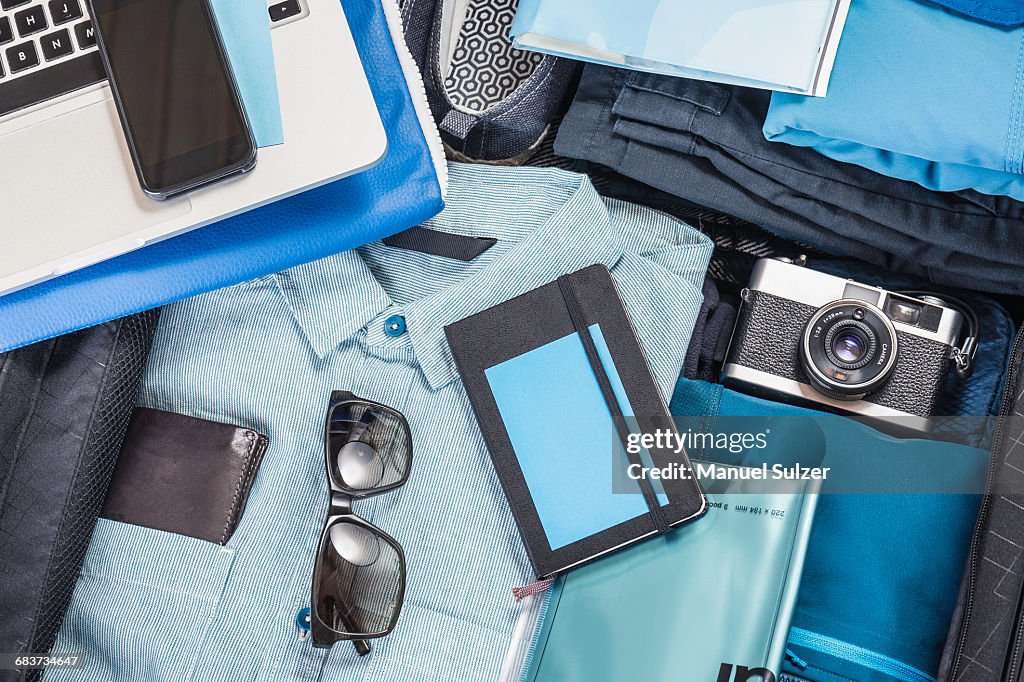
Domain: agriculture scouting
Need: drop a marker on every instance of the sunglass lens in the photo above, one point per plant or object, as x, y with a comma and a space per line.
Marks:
359, 466
358, 584
369, 447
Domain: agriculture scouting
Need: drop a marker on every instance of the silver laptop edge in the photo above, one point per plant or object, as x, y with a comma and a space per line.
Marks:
68, 194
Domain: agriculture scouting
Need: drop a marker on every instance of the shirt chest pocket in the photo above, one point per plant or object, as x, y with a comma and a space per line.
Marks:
143, 606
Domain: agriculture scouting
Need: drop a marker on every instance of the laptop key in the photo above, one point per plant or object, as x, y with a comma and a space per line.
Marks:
6, 32
63, 11
55, 80
31, 20
85, 34
284, 10
23, 56
56, 45
11, 4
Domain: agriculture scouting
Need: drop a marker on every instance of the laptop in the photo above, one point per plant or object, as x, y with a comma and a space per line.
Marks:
69, 196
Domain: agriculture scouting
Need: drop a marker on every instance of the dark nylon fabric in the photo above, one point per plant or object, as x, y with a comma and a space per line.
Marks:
65, 405
702, 142
982, 644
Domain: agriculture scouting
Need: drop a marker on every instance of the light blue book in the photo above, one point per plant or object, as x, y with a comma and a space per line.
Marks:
787, 45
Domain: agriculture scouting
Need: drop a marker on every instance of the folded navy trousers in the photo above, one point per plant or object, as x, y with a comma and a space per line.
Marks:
703, 143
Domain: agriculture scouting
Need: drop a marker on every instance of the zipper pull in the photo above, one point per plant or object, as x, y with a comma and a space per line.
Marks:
796, 660
538, 587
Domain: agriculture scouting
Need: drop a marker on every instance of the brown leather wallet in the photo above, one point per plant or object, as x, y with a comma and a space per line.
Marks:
184, 475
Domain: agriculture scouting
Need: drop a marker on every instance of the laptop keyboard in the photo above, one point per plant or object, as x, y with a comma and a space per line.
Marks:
47, 49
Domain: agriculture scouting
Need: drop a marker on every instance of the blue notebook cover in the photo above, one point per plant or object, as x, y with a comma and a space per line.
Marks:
549, 429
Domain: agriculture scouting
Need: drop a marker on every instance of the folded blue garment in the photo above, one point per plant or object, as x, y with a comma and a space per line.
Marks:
882, 573
921, 94
1002, 12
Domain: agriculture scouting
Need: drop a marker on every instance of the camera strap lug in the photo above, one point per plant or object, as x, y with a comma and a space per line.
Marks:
963, 356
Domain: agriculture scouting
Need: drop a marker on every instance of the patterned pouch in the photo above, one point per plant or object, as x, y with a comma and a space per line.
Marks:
492, 102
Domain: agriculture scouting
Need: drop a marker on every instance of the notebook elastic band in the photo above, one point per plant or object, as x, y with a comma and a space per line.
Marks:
583, 331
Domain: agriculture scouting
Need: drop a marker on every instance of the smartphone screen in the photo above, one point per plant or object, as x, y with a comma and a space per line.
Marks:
178, 102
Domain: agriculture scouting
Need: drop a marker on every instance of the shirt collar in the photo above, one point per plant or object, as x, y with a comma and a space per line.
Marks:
333, 298
577, 232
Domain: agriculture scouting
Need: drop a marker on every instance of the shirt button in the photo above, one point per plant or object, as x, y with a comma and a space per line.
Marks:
302, 619
394, 325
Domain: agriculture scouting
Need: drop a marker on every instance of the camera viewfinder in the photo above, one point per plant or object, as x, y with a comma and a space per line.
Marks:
904, 310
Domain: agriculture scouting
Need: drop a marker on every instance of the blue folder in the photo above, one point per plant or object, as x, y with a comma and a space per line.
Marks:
401, 191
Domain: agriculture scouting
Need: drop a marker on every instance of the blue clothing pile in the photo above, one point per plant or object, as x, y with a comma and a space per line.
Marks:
920, 94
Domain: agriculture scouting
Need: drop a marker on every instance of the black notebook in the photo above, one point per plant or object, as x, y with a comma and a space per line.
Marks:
557, 378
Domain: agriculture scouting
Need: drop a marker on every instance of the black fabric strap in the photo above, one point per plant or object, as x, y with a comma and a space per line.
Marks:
437, 243
582, 329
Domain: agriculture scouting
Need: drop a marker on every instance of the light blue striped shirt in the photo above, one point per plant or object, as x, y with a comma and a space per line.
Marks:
266, 354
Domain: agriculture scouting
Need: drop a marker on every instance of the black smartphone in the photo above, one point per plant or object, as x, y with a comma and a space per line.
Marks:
175, 93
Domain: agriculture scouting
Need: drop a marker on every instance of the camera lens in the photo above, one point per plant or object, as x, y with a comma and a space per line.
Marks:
849, 341
849, 347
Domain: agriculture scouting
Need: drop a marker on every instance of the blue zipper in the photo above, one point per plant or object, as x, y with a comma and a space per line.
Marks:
795, 660
865, 658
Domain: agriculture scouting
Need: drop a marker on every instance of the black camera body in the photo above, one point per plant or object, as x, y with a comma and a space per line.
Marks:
807, 337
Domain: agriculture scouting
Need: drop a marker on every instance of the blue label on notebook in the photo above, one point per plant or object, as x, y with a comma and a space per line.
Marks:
562, 432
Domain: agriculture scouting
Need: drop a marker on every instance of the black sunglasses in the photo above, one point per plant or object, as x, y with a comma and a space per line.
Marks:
359, 578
